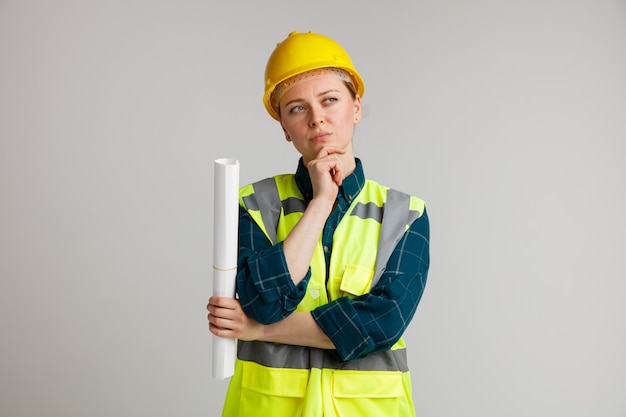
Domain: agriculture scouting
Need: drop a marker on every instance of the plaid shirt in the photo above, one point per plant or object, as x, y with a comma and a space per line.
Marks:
369, 323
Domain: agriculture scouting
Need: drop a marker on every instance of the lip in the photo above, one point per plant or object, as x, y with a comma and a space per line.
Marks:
320, 136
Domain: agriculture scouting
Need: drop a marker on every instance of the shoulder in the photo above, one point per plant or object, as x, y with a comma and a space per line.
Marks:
278, 179
269, 189
416, 203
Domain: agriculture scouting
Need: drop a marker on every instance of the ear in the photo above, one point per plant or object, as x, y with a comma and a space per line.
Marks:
358, 111
287, 137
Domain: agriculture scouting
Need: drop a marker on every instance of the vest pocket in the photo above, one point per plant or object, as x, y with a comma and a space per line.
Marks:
367, 393
356, 280
272, 392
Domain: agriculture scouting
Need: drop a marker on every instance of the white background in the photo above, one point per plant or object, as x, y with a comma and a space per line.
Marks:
507, 117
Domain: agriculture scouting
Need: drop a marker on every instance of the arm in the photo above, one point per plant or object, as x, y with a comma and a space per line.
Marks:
298, 329
326, 172
264, 285
272, 279
370, 323
375, 321
227, 319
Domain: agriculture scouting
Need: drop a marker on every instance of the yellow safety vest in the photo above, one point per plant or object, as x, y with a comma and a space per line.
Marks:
277, 380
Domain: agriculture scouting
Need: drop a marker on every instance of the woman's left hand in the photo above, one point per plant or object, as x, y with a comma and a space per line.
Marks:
227, 319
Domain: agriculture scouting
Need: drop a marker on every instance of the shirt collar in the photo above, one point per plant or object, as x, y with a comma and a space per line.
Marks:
350, 187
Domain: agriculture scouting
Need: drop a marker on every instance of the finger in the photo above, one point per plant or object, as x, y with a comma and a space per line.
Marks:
221, 332
329, 150
214, 308
221, 322
337, 177
223, 302
329, 164
222, 313
223, 318
217, 300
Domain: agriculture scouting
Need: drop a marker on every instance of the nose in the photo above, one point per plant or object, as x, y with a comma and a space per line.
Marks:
315, 117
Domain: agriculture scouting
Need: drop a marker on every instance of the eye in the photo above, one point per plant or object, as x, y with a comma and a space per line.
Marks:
329, 100
296, 109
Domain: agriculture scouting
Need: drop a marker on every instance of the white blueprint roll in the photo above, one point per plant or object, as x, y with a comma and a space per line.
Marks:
225, 234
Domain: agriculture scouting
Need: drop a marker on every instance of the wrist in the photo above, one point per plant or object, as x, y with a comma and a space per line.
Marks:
322, 205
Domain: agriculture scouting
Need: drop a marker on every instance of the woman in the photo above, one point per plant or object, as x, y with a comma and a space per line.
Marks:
331, 265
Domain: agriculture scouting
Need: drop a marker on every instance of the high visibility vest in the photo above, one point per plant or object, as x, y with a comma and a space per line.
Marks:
277, 380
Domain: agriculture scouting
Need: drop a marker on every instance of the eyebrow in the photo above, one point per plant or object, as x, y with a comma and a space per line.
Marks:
298, 100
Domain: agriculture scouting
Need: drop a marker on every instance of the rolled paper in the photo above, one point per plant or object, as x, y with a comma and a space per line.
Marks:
225, 234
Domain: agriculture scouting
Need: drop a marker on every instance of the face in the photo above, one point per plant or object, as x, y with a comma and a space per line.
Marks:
320, 112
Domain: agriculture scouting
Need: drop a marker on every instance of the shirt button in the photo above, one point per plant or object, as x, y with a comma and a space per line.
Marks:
325, 249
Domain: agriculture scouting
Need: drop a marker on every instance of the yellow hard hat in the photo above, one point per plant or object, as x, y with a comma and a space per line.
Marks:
302, 52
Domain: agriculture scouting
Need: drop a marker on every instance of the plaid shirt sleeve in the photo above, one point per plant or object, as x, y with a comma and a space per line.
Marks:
375, 321
264, 285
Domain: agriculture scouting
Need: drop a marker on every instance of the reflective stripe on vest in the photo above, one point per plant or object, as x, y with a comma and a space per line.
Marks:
275, 355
